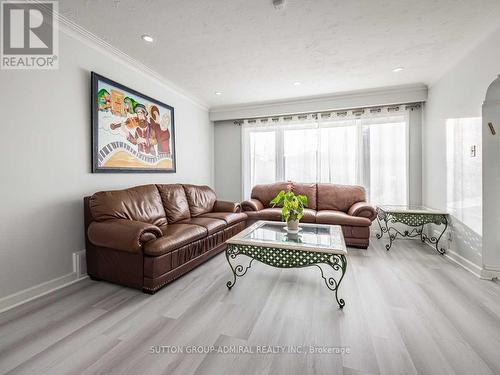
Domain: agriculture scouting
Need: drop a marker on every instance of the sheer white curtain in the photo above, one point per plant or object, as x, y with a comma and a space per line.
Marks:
358, 147
386, 156
279, 149
263, 157
300, 149
339, 154
259, 155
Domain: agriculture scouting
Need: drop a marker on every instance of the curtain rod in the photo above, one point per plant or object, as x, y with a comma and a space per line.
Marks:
327, 114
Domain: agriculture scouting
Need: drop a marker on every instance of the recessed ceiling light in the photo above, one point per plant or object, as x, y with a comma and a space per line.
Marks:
279, 4
297, 83
398, 69
147, 38
218, 93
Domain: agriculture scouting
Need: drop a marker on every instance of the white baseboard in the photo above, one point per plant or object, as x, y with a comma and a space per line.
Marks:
464, 263
29, 294
478, 271
489, 274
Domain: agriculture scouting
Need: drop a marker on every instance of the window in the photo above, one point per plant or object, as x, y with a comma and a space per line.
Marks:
364, 149
386, 179
262, 157
339, 153
300, 154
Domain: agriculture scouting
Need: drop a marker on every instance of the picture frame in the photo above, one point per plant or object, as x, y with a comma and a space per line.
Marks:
131, 132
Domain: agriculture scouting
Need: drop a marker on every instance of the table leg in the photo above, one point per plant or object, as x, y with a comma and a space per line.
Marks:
384, 228
239, 270
392, 237
230, 284
339, 264
381, 234
435, 241
442, 250
438, 249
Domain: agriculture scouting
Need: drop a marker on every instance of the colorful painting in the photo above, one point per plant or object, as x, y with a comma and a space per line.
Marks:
131, 132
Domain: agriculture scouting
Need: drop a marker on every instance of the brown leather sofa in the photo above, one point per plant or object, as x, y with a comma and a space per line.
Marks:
343, 205
147, 236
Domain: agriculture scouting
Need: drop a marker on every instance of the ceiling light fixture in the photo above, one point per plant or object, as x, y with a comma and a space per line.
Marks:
218, 93
279, 4
147, 38
398, 69
297, 83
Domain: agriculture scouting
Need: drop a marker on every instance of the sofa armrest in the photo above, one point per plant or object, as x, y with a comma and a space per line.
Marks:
363, 209
121, 234
224, 206
252, 205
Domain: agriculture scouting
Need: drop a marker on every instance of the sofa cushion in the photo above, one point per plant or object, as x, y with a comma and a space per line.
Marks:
211, 225
356, 232
201, 199
309, 216
225, 206
122, 234
229, 217
363, 209
273, 214
174, 202
341, 218
266, 192
309, 190
252, 205
339, 197
141, 203
174, 236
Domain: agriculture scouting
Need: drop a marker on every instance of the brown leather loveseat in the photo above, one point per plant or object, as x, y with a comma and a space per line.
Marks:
147, 236
343, 205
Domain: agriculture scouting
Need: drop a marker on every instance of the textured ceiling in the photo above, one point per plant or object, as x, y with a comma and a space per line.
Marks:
252, 53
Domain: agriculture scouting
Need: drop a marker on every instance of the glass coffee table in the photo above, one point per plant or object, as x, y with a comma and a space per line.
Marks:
415, 217
269, 242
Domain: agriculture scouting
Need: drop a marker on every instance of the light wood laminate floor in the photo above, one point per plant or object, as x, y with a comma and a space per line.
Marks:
408, 311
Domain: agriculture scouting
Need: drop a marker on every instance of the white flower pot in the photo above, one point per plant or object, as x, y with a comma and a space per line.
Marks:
292, 224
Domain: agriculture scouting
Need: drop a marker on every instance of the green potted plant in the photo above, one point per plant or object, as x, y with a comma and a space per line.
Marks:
292, 208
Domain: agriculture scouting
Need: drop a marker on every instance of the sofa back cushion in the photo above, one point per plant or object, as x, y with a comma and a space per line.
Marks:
201, 199
309, 190
266, 192
174, 202
140, 203
339, 197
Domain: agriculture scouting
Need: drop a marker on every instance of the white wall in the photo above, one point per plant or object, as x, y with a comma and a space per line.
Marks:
45, 158
459, 94
227, 161
491, 186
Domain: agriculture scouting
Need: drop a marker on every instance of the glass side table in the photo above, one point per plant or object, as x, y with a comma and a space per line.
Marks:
415, 217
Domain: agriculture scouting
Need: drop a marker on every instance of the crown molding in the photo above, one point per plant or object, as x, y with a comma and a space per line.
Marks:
74, 30
344, 100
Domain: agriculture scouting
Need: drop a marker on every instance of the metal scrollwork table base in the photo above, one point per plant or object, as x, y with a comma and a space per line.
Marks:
416, 219
280, 257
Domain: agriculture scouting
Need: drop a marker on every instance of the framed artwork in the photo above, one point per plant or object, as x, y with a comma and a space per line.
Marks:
131, 132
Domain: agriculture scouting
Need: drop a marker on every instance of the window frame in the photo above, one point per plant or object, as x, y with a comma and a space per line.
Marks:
279, 127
